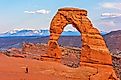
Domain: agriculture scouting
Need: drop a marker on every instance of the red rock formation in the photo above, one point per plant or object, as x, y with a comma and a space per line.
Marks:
93, 44
94, 53
34, 51
14, 52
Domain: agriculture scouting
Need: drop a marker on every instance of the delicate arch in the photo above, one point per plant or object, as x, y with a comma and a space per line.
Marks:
93, 44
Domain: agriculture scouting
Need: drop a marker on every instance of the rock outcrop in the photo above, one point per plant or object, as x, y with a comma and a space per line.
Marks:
93, 44
95, 57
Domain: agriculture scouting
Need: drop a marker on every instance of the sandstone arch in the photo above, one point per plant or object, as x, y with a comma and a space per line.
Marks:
94, 48
95, 59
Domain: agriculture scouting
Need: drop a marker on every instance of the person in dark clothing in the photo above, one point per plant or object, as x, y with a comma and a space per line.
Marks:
26, 69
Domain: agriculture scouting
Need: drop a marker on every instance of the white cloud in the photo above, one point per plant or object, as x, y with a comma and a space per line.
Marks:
110, 15
108, 23
111, 19
41, 11
110, 5
29, 12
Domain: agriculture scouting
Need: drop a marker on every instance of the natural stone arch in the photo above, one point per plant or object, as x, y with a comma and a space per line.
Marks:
95, 61
94, 48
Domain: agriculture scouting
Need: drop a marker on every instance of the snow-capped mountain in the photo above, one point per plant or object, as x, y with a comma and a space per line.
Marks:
26, 32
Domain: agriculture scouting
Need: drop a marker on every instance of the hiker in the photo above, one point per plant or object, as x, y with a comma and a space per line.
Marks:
27, 70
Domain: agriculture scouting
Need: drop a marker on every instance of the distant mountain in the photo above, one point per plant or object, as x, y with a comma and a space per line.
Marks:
113, 40
71, 38
25, 32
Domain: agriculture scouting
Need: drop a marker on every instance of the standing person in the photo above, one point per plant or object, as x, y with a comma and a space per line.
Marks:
26, 69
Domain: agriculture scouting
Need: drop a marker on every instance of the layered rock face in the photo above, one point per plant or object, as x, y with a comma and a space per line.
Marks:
95, 57
93, 44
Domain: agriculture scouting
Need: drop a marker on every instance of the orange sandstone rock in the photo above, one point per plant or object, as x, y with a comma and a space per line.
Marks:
95, 60
91, 38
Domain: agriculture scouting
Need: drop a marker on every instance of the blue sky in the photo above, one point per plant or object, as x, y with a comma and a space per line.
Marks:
37, 14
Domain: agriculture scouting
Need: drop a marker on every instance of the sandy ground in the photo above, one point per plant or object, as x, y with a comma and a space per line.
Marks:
12, 68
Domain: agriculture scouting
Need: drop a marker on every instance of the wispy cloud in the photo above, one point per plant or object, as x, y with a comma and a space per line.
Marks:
108, 23
29, 12
110, 5
110, 15
41, 11
111, 19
